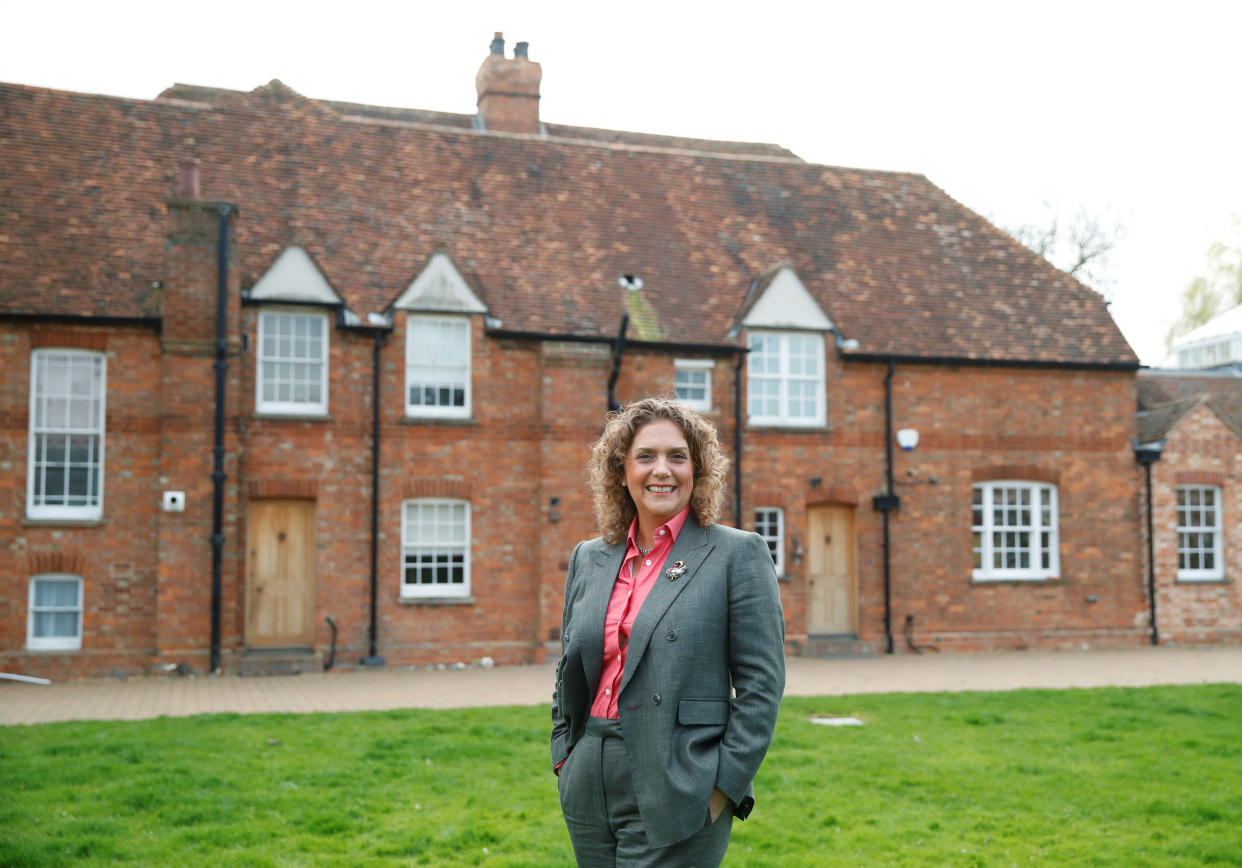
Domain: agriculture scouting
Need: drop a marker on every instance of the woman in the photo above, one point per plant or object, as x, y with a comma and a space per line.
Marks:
672, 664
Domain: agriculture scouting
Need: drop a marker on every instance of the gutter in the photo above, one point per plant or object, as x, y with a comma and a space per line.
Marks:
152, 322
372, 658
218, 475
1148, 454
992, 363
716, 349
886, 503
618, 350
737, 436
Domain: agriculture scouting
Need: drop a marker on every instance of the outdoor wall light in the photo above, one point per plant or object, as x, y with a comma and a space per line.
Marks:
907, 439
795, 549
815, 481
554, 514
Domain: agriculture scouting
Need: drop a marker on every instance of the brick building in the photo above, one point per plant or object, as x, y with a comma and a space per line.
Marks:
417, 321
1190, 432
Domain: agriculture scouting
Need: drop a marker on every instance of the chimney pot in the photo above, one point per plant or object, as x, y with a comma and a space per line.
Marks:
188, 185
509, 90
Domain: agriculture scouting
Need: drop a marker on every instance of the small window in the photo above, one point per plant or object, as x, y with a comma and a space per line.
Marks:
65, 460
1199, 555
1015, 530
54, 621
435, 541
692, 380
770, 524
785, 377
292, 360
437, 366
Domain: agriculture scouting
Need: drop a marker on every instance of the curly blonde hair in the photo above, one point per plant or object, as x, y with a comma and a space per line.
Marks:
614, 508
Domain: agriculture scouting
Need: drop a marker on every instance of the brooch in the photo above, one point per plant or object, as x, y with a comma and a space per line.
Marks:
676, 571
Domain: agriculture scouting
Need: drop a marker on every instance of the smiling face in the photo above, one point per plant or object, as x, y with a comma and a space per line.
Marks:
659, 473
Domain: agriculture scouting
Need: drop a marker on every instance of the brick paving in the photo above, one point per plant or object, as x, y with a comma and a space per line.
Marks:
362, 690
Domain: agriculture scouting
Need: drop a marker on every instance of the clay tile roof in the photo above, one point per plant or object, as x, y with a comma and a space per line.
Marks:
1165, 397
541, 226
1153, 425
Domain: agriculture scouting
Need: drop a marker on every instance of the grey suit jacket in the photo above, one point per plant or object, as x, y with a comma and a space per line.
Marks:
704, 672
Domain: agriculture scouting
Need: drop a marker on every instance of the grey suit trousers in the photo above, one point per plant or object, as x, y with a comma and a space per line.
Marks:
601, 810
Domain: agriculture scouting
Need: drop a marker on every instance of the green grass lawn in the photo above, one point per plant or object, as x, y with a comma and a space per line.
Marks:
1121, 777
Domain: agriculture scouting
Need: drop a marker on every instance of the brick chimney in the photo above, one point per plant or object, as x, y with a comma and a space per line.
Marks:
509, 90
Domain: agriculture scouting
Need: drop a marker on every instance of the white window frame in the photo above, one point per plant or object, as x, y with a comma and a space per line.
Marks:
454, 375
984, 529
460, 545
775, 540
40, 432
691, 367
263, 358
53, 643
784, 377
1185, 531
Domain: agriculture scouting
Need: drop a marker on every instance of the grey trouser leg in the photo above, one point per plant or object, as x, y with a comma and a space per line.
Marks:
605, 827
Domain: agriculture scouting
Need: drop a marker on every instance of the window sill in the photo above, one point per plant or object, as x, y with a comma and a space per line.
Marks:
436, 601
447, 421
292, 417
64, 522
52, 651
1216, 580
1050, 580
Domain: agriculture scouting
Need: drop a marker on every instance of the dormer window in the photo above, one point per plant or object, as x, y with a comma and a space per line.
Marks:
437, 366
785, 377
292, 364
440, 304
785, 370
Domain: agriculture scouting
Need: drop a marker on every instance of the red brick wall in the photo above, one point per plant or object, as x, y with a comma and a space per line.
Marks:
1200, 450
1076, 424
115, 557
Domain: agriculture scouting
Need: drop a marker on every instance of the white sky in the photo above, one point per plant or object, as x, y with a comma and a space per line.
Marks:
1128, 109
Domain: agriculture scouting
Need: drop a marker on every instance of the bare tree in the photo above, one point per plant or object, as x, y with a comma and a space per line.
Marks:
1218, 289
1078, 245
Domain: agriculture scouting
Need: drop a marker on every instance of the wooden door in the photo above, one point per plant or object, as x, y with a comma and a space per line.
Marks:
280, 583
831, 577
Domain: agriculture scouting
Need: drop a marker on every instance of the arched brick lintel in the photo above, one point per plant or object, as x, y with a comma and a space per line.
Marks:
1198, 477
1027, 472
832, 494
56, 562
300, 489
62, 338
435, 486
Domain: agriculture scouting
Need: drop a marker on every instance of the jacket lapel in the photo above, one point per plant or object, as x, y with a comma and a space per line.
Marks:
602, 575
692, 549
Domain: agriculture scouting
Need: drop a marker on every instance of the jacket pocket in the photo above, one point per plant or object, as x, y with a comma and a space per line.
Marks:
693, 712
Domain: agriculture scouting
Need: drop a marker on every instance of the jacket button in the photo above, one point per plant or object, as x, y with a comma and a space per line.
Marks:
672, 635
655, 697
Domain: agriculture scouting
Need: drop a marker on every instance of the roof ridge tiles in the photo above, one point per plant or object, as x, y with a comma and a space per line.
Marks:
624, 147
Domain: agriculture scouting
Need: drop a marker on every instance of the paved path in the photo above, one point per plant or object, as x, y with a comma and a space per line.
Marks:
138, 698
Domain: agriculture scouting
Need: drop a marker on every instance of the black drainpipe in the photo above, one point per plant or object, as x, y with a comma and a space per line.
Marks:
373, 658
218, 475
1147, 456
886, 503
618, 350
737, 436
